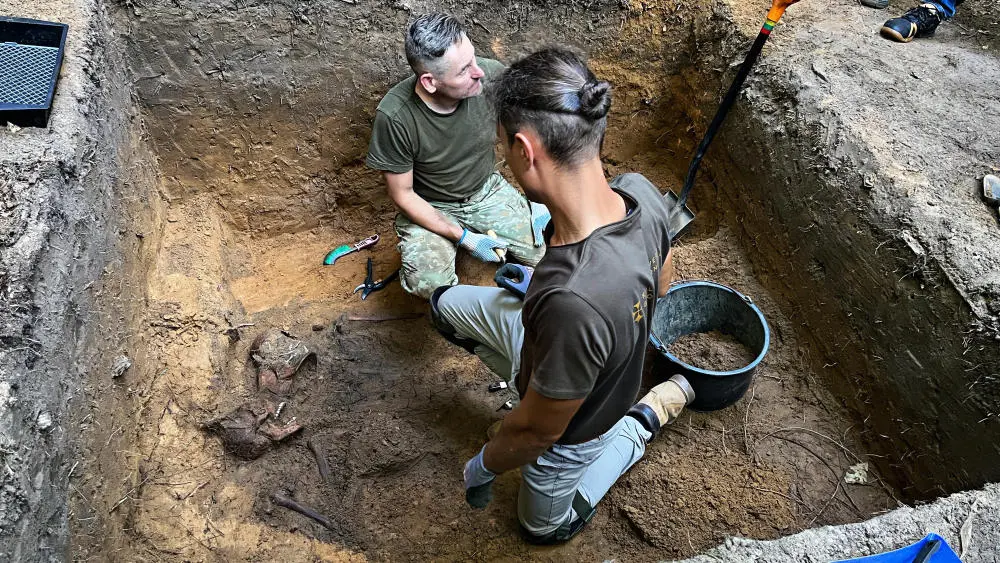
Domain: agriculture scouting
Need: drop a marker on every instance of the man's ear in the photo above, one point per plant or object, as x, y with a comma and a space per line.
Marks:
427, 81
524, 144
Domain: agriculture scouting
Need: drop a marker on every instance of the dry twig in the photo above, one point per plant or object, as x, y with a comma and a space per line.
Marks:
844, 448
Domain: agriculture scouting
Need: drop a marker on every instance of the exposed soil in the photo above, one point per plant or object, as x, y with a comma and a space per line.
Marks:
397, 410
682, 504
250, 207
712, 350
259, 112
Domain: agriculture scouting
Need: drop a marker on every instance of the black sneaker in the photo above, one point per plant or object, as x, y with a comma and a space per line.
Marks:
921, 21
877, 4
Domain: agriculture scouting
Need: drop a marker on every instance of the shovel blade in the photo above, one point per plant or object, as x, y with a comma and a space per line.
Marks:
680, 216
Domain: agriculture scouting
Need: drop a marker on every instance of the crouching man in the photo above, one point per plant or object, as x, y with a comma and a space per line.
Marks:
433, 139
575, 349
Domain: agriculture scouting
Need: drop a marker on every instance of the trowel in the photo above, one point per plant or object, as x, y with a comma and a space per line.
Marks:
680, 216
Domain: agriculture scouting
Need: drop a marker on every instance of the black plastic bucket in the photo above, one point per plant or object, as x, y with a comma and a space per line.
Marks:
702, 306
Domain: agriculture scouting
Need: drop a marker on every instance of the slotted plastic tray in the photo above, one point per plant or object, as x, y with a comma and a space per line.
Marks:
31, 54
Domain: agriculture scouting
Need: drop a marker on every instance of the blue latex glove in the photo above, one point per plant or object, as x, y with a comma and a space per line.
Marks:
540, 218
514, 278
482, 247
478, 482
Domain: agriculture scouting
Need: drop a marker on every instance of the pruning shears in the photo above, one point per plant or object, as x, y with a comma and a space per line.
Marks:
346, 249
370, 285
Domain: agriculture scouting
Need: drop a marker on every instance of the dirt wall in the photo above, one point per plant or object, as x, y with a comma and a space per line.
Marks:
269, 104
858, 203
61, 240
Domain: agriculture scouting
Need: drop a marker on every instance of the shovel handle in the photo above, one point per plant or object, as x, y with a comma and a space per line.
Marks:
773, 15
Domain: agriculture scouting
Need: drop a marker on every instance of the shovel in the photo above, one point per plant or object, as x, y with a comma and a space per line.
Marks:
680, 216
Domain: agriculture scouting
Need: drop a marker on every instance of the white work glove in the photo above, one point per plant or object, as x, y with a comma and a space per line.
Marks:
540, 218
478, 482
482, 247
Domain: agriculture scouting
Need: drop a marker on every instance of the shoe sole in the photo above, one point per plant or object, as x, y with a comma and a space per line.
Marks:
895, 35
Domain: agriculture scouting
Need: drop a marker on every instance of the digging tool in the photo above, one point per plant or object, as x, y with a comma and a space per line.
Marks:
501, 252
370, 285
346, 249
680, 216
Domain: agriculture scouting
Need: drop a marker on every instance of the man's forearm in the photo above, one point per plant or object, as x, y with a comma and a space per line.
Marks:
510, 449
530, 429
422, 213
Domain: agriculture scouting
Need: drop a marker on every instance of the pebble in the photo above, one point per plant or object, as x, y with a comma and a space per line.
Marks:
44, 420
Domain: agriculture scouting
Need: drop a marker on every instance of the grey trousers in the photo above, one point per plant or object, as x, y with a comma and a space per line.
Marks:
492, 316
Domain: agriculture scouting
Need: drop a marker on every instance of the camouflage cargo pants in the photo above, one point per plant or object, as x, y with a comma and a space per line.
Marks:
429, 259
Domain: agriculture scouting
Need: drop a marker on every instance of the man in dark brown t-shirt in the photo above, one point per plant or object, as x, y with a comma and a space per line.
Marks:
576, 347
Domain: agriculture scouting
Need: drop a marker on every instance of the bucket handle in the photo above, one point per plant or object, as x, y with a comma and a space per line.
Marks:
657, 343
741, 294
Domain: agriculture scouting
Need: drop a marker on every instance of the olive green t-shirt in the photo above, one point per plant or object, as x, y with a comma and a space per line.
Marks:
587, 313
450, 155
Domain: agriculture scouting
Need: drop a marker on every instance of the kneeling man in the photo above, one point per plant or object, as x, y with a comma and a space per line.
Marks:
575, 348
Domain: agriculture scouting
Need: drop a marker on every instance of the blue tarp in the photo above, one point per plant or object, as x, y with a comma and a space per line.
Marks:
907, 554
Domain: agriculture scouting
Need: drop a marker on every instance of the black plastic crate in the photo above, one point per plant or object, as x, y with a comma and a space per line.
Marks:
31, 53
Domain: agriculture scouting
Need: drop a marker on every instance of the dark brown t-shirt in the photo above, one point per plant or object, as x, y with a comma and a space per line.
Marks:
587, 313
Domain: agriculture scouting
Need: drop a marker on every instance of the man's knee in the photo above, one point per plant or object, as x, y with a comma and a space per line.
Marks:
440, 322
561, 534
428, 259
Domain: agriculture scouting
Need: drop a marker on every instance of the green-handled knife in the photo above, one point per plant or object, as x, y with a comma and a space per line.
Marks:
346, 249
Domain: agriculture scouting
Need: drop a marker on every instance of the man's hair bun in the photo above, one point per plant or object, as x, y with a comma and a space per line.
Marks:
595, 99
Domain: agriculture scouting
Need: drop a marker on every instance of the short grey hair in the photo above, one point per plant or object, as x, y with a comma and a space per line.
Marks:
556, 94
427, 39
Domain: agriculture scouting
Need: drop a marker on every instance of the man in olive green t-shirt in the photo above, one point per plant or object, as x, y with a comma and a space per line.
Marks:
433, 139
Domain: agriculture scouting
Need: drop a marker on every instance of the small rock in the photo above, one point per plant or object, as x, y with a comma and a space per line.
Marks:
120, 366
869, 181
44, 420
857, 474
318, 327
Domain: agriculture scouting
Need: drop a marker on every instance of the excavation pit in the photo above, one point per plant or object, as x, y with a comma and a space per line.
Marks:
240, 166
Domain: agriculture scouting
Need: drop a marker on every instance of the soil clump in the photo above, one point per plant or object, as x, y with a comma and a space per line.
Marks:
712, 350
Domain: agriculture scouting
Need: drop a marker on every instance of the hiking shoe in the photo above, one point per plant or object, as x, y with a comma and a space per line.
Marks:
877, 4
921, 21
663, 404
